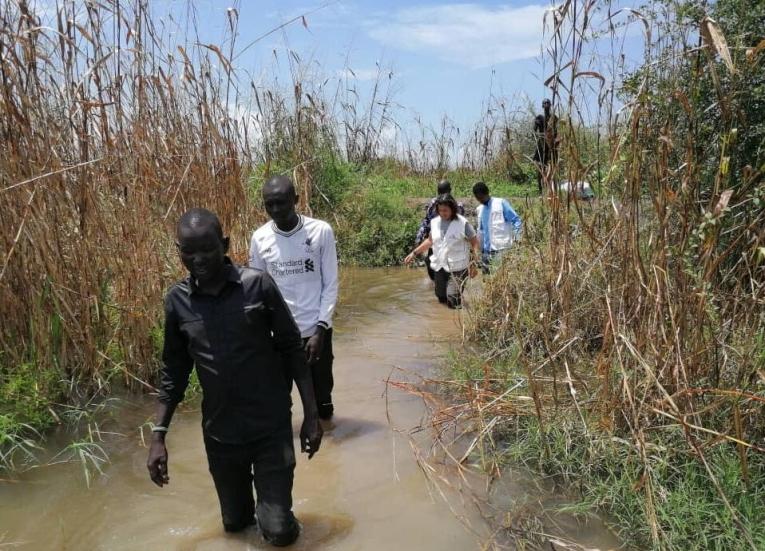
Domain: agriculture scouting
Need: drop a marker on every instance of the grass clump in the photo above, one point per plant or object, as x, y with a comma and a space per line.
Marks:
377, 228
25, 395
610, 476
18, 443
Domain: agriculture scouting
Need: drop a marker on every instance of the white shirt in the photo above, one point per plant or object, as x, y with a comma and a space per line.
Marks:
451, 244
303, 262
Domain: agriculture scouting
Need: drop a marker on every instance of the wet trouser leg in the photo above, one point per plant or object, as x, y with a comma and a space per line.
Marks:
454, 288
323, 382
442, 281
431, 273
486, 257
269, 463
490, 260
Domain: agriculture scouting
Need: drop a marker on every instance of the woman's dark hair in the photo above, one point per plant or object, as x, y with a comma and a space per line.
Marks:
449, 201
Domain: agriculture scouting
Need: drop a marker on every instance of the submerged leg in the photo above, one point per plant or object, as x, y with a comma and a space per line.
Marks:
441, 281
274, 473
454, 288
232, 475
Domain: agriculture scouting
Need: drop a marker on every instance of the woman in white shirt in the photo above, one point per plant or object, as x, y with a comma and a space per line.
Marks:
452, 239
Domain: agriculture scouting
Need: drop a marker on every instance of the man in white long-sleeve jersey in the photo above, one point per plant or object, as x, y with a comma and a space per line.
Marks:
300, 255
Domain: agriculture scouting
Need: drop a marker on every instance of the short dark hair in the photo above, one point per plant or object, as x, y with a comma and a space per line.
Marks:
282, 182
444, 186
196, 217
448, 200
480, 188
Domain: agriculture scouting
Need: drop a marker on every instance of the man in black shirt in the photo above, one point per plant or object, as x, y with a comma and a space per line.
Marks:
546, 133
233, 325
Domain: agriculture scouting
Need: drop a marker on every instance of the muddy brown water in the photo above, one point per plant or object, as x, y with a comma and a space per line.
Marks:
364, 490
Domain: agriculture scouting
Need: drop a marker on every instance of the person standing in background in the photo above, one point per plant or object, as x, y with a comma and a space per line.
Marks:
546, 133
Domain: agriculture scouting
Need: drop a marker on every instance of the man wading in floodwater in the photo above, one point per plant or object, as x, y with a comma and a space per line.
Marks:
300, 254
233, 325
498, 225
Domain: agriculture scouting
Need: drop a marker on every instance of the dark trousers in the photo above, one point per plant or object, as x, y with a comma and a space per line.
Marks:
489, 260
431, 273
323, 382
449, 287
486, 260
268, 464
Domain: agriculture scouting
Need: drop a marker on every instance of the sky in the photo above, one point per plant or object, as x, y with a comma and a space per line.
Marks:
445, 57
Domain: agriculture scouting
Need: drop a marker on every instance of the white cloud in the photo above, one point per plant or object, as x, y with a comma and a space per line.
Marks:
362, 75
466, 34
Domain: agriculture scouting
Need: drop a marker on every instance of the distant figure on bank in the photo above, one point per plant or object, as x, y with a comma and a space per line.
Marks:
444, 187
232, 325
300, 254
546, 133
452, 239
498, 224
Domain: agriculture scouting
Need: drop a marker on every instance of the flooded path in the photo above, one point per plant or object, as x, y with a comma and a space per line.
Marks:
362, 491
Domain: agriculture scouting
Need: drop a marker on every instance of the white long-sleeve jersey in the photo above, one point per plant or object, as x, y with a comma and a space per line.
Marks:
303, 262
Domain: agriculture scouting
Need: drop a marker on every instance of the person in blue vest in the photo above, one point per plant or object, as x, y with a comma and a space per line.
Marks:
498, 224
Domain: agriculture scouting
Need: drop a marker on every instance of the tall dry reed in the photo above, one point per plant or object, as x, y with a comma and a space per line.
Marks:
637, 322
109, 131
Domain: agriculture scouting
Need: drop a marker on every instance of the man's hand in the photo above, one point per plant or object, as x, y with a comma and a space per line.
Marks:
157, 462
314, 345
310, 436
472, 270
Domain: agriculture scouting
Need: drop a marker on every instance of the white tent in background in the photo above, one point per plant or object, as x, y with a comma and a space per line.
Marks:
582, 190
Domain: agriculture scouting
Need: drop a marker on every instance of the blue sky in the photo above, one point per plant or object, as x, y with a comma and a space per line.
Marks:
446, 57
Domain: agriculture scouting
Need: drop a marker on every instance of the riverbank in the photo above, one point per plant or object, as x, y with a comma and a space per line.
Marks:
560, 379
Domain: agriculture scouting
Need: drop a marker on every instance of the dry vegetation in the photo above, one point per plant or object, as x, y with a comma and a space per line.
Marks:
108, 134
114, 121
623, 342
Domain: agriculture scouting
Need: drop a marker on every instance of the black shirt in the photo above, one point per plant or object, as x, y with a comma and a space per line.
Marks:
244, 345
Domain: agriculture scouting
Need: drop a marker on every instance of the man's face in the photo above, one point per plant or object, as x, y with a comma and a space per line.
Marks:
546, 105
481, 198
279, 204
202, 252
